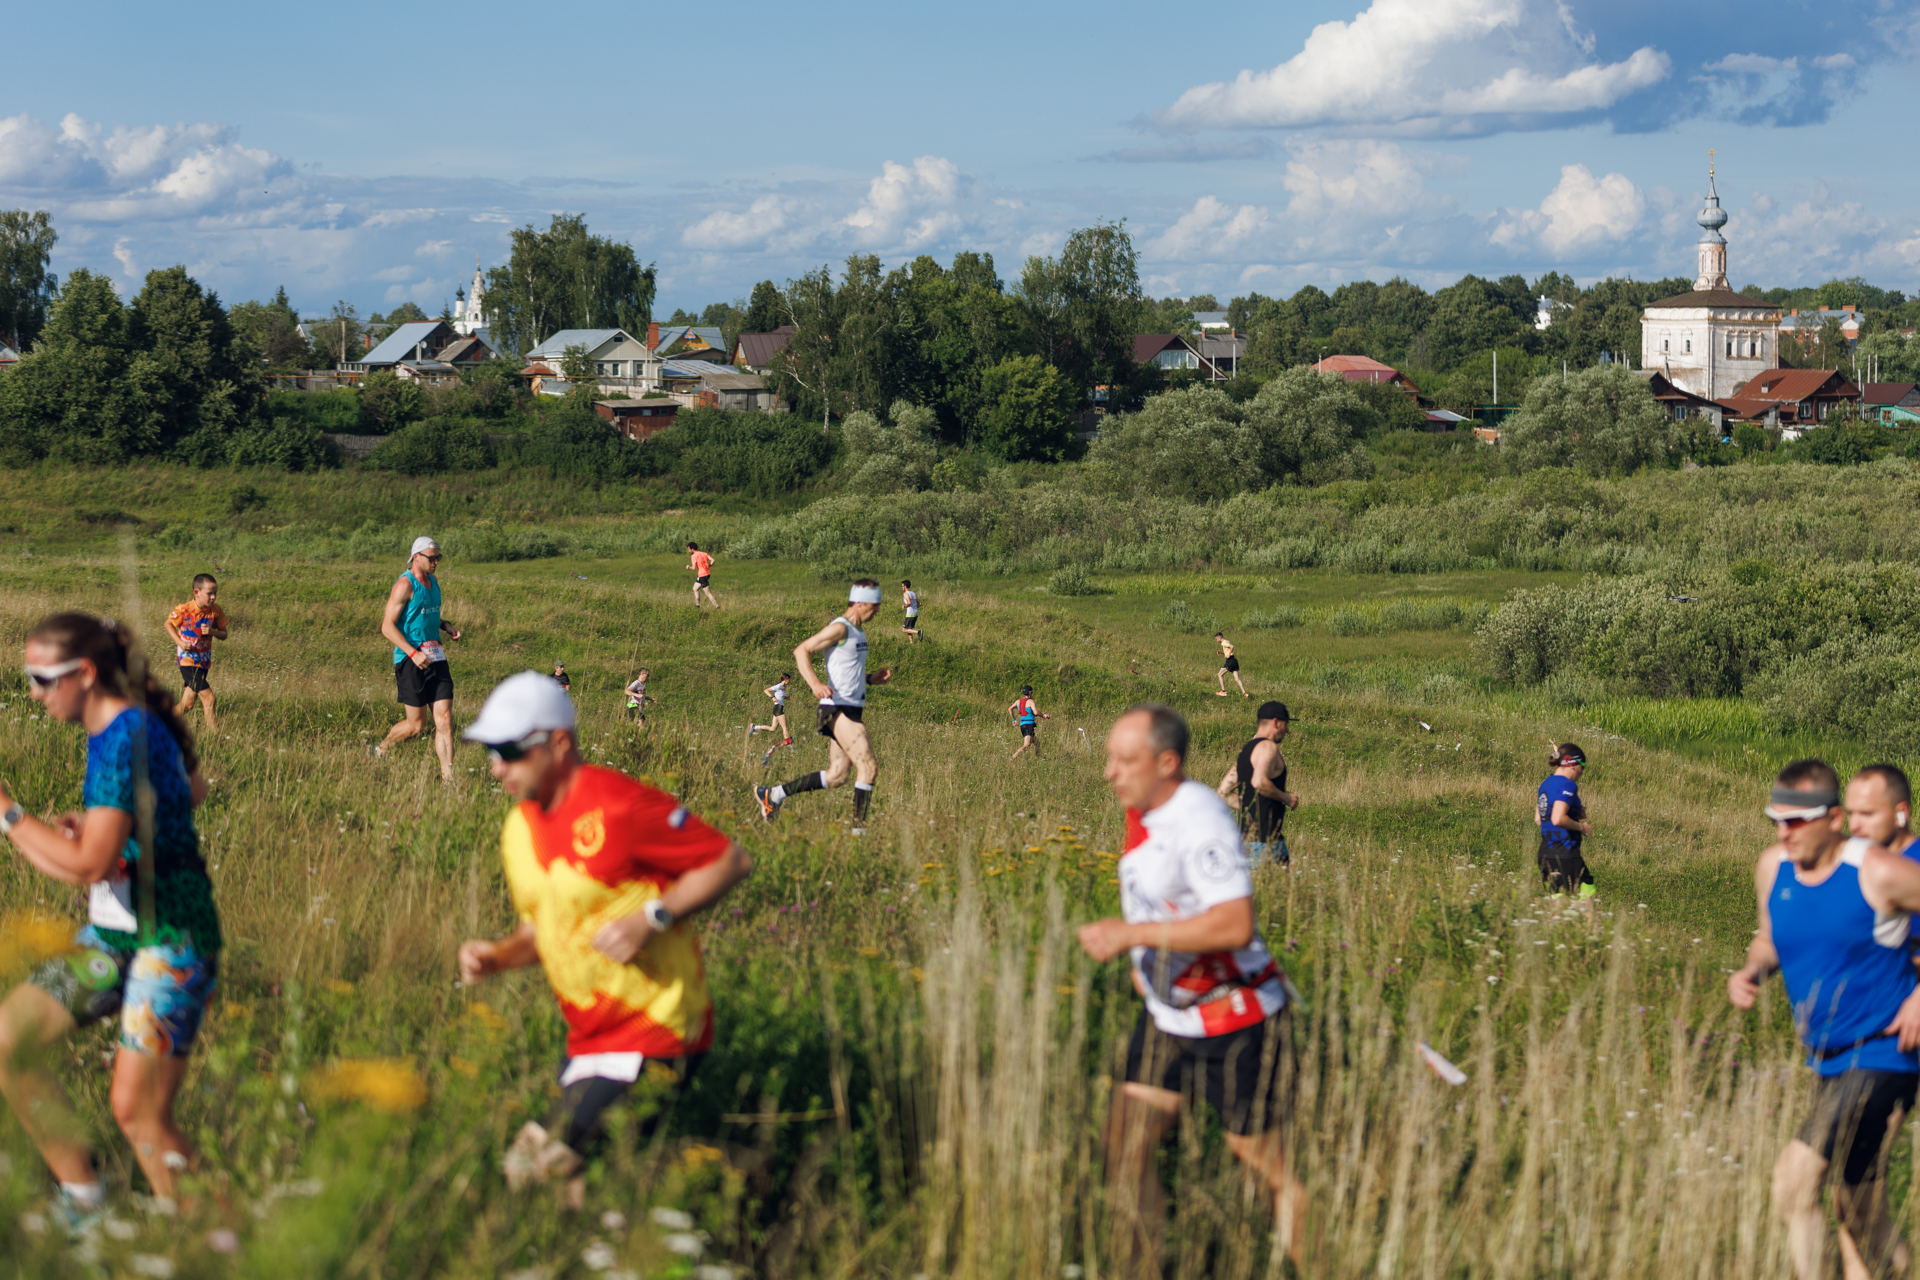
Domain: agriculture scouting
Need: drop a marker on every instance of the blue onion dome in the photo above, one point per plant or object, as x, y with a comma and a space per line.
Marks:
1713, 217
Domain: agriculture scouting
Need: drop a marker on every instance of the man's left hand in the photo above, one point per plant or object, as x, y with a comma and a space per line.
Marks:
621, 940
1906, 1023
1104, 939
881, 677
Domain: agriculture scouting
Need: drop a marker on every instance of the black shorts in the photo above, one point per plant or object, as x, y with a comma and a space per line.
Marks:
1231, 664
1026, 730
912, 623
702, 580
423, 688
1563, 870
1850, 1114
195, 678
829, 712
579, 1116
1245, 1075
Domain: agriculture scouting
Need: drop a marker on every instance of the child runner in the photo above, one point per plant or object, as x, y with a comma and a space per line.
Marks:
911, 599
1229, 666
778, 692
1561, 817
150, 951
702, 565
560, 674
637, 698
194, 626
1026, 713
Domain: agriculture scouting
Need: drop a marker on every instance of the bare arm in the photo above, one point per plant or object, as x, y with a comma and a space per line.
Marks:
1743, 986
390, 618
823, 639
1263, 757
482, 958
1560, 818
74, 852
621, 940
220, 626
179, 641
1221, 928
1229, 788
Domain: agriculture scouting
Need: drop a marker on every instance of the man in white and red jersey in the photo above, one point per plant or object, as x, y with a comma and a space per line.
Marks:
1215, 1022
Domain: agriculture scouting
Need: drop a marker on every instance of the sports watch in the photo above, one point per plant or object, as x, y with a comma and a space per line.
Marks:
11, 817
657, 915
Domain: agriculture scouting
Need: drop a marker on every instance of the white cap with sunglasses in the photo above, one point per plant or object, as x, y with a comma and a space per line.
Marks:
423, 544
520, 707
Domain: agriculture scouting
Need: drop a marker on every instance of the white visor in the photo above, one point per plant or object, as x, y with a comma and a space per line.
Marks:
1784, 813
864, 595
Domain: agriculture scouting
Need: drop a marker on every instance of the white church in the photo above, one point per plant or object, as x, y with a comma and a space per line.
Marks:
469, 317
1710, 340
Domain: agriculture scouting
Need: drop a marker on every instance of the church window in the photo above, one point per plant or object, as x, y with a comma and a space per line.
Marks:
1666, 344
1689, 346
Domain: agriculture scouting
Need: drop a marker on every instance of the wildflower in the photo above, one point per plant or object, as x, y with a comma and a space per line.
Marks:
28, 939
386, 1084
471, 1070
338, 987
482, 1013
695, 1156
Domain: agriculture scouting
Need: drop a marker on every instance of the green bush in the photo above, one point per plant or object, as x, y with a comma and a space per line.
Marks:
1421, 615
1181, 616
1281, 615
434, 447
389, 402
1072, 580
1349, 621
752, 453
333, 411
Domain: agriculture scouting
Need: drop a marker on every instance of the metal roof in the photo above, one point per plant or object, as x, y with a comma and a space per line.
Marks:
670, 334
1712, 298
695, 369
556, 345
1885, 392
399, 344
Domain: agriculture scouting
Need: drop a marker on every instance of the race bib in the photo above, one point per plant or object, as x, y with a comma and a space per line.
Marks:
435, 651
110, 904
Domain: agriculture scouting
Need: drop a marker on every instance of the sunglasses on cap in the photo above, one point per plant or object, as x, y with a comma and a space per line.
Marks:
1796, 818
508, 752
47, 677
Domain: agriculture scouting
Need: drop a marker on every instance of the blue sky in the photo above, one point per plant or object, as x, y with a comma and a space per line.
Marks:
370, 152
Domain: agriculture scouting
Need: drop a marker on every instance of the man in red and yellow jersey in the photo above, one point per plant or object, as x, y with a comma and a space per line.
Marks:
604, 873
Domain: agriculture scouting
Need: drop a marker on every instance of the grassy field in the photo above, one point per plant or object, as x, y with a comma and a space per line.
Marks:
913, 1057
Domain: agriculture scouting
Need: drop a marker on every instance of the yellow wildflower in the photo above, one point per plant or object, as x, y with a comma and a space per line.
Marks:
385, 1084
28, 939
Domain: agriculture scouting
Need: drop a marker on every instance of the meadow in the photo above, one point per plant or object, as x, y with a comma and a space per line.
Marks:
914, 1056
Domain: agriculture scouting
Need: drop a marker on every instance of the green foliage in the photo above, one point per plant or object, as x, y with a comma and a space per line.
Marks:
27, 288
1028, 411
1348, 620
389, 402
575, 441
1192, 444
433, 447
574, 365
566, 278
714, 450
886, 457
1601, 421
1280, 616
1843, 442
270, 331
1180, 616
1750, 439
1073, 580
964, 470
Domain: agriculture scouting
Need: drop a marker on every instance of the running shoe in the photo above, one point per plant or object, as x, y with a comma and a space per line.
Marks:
77, 1219
1219, 693
769, 807
767, 759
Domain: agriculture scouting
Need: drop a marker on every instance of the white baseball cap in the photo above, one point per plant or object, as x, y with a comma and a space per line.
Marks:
422, 543
520, 705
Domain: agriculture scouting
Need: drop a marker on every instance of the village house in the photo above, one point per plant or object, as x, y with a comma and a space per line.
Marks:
1809, 323
1790, 397
8, 357
1366, 369
1169, 351
426, 350
638, 419
1678, 402
1891, 404
754, 352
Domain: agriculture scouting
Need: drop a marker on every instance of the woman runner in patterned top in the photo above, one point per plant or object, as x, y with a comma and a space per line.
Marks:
151, 962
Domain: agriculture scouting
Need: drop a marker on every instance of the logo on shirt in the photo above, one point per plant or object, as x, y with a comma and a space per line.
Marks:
589, 834
1217, 863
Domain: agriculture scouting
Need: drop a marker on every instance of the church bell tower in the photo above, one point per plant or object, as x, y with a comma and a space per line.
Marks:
1713, 245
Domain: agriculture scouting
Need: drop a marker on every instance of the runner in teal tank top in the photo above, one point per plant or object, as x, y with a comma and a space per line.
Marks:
420, 672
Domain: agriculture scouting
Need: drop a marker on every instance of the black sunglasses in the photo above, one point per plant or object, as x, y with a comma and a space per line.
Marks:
430, 559
508, 752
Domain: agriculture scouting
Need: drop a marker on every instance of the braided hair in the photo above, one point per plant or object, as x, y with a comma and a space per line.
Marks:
116, 655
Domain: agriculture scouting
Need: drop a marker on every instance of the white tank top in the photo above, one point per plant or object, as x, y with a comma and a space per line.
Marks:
847, 669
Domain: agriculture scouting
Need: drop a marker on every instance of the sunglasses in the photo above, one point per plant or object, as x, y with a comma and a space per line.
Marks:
1793, 820
430, 559
508, 752
47, 677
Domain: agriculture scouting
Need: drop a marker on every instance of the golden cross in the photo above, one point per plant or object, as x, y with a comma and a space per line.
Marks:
1711, 153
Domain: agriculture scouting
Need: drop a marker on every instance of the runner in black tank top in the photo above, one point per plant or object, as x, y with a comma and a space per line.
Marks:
1256, 785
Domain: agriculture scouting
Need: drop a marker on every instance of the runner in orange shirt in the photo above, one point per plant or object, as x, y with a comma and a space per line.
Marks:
604, 872
193, 627
702, 565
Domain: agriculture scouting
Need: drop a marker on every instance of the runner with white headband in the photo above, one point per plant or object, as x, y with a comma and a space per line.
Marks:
843, 701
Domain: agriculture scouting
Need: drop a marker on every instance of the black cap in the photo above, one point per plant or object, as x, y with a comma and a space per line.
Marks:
1026, 691
1273, 711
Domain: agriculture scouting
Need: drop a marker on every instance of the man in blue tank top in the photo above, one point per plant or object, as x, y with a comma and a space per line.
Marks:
413, 623
1829, 915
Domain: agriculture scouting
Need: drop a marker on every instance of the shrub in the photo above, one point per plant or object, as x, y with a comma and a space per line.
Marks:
1349, 621
388, 403
1072, 580
750, 453
1281, 615
434, 447
1181, 616
1420, 615
1600, 420
1028, 414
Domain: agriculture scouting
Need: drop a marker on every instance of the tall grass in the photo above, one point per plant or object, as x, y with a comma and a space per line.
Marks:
914, 1057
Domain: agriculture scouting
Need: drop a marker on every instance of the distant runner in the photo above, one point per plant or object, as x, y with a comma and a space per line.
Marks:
843, 702
1822, 901
777, 722
604, 873
194, 626
1561, 817
637, 698
412, 621
702, 565
146, 961
1026, 713
1229, 666
560, 675
1256, 785
1215, 1023
911, 599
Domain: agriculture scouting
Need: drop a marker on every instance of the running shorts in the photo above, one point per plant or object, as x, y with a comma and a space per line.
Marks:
160, 993
913, 620
702, 580
579, 1117
1849, 1117
195, 678
1231, 664
423, 688
830, 713
1245, 1075
1563, 870
1026, 730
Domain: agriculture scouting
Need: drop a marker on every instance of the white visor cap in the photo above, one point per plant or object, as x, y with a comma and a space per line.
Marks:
520, 705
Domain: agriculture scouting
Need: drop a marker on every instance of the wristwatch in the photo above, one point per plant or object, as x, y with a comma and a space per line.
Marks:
657, 915
9, 818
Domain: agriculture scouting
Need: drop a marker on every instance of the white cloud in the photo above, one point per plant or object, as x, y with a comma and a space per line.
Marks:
165, 171
1366, 177
1213, 231
911, 207
1581, 214
1836, 62
1755, 64
1426, 65
752, 229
